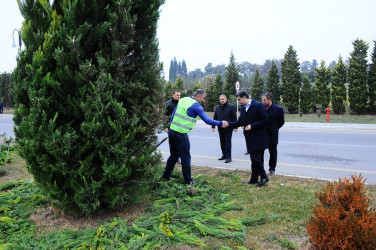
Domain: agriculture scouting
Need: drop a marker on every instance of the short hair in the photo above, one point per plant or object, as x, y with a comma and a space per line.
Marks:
199, 92
268, 96
175, 90
242, 93
223, 96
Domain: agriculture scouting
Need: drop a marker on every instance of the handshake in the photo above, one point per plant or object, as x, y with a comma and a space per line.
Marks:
225, 124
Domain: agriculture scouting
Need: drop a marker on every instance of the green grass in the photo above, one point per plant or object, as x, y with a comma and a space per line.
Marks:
219, 212
334, 118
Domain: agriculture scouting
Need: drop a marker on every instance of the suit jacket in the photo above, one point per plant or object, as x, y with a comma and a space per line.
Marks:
276, 121
256, 116
225, 112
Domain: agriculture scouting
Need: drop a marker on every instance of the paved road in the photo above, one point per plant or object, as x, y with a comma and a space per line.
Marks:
324, 151
317, 150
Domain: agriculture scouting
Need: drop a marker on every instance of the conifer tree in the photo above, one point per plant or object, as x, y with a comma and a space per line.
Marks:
88, 94
357, 77
232, 75
338, 87
257, 86
306, 95
291, 80
184, 71
322, 91
214, 91
272, 83
372, 80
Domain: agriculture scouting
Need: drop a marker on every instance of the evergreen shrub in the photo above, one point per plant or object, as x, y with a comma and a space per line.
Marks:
89, 96
343, 219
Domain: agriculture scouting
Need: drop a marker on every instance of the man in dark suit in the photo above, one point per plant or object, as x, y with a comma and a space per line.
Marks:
276, 121
254, 118
225, 111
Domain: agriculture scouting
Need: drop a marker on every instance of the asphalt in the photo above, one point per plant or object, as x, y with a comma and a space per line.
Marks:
317, 125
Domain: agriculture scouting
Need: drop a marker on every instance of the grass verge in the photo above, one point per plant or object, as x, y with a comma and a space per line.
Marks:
219, 212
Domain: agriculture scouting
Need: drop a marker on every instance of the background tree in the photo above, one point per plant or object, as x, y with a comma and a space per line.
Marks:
272, 83
257, 87
322, 90
291, 80
214, 91
358, 94
173, 71
6, 89
88, 94
306, 94
372, 80
232, 75
338, 87
168, 90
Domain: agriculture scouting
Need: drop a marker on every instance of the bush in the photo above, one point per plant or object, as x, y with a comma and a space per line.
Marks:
342, 219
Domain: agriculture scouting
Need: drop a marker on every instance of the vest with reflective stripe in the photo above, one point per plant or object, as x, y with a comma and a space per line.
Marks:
181, 122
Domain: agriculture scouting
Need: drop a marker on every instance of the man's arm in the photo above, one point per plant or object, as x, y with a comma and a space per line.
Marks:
196, 109
281, 117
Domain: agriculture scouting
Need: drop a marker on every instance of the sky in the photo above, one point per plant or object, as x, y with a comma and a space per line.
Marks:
206, 31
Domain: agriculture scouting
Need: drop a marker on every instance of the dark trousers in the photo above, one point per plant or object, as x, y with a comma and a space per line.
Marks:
179, 147
257, 159
225, 139
273, 156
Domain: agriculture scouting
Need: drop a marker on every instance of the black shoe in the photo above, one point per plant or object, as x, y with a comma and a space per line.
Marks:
272, 172
191, 183
222, 158
247, 153
228, 161
250, 182
262, 182
167, 179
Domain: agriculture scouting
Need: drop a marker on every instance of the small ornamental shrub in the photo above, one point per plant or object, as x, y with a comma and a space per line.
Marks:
343, 219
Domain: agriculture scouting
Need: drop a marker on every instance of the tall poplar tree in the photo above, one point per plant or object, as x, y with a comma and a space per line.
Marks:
232, 75
357, 77
306, 94
291, 80
338, 87
257, 86
372, 80
88, 94
322, 76
272, 83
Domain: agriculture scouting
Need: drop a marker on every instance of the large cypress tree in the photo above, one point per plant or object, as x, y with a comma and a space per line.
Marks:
214, 91
232, 75
88, 94
322, 91
272, 83
358, 94
372, 80
257, 86
338, 87
291, 80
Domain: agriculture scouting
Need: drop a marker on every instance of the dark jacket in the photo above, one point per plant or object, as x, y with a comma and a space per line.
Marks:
170, 107
256, 116
276, 121
225, 112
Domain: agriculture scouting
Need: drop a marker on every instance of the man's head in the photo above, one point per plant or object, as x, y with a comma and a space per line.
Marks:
176, 95
199, 95
222, 99
243, 97
267, 99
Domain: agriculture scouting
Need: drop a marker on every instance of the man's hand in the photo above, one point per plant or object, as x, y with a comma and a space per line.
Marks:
248, 128
213, 129
235, 130
225, 124
166, 130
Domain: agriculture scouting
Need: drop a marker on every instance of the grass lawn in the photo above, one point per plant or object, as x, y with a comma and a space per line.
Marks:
273, 217
334, 118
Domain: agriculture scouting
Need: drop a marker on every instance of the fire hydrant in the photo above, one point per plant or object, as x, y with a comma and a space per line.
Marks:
327, 114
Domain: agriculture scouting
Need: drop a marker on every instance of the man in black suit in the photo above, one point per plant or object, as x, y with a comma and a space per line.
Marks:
254, 118
225, 111
276, 121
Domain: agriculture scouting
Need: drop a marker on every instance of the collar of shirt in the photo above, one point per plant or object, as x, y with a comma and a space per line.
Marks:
248, 105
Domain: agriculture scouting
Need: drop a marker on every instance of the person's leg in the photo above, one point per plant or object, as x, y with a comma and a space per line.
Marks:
174, 155
257, 164
228, 137
222, 140
183, 147
273, 157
